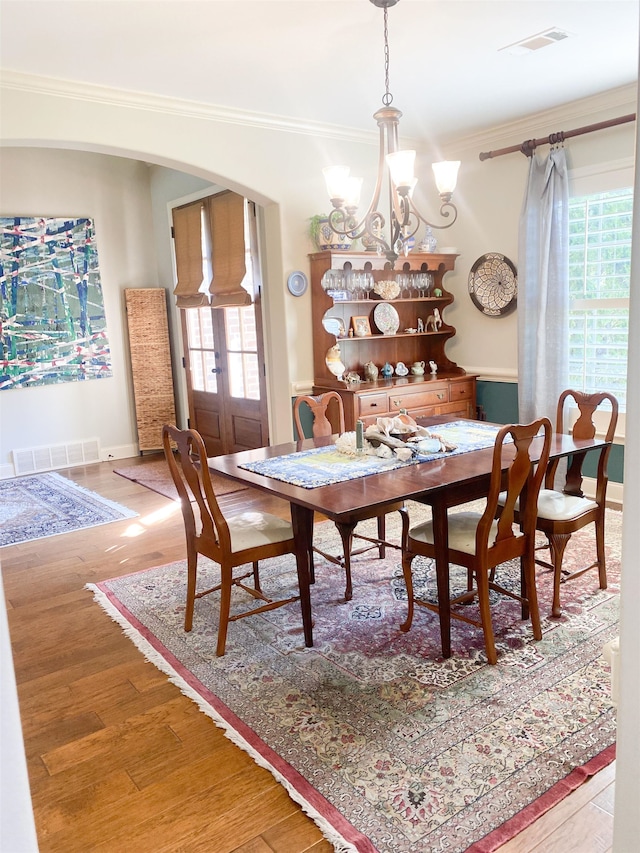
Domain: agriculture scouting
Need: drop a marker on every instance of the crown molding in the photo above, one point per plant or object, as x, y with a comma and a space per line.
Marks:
612, 102
106, 95
620, 101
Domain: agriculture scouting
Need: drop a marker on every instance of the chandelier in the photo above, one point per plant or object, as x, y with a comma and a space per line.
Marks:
395, 170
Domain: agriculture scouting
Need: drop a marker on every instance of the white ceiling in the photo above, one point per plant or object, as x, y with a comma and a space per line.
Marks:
322, 60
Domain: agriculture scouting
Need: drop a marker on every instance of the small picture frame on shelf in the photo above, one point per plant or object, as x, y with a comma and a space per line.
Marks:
361, 327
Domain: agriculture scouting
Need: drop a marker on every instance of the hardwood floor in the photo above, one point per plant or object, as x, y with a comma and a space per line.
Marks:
118, 758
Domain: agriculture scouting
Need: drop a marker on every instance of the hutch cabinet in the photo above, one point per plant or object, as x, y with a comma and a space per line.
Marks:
417, 339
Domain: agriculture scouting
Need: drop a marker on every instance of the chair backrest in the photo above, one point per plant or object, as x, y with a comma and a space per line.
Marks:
322, 425
584, 428
523, 478
192, 479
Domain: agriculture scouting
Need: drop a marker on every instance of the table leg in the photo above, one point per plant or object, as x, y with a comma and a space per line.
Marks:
302, 522
441, 545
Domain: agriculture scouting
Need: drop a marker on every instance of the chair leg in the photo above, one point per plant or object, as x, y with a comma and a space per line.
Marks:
192, 570
346, 534
530, 591
482, 585
225, 606
382, 536
256, 577
407, 559
557, 544
600, 553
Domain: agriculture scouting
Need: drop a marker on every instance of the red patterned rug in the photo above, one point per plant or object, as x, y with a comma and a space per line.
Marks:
386, 746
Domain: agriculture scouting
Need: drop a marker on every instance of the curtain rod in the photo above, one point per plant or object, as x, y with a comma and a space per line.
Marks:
528, 146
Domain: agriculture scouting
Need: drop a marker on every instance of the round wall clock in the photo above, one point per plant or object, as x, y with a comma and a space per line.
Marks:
297, 283
493, 284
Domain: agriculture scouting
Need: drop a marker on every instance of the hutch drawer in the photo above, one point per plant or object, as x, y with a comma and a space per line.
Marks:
373, 404
408, 399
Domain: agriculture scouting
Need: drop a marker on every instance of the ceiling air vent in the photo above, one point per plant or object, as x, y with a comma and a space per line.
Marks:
531, 43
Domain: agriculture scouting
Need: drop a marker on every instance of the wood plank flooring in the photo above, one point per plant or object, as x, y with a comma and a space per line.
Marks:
118, 758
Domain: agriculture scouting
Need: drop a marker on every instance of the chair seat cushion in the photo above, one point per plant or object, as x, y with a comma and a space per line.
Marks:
250, 529
557, 506
462, 531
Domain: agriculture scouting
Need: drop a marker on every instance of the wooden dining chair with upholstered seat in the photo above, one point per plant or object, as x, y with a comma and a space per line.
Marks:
561, 512
479, 541
323, 426
231, 541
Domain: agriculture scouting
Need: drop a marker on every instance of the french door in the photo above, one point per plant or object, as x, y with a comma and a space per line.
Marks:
224, 365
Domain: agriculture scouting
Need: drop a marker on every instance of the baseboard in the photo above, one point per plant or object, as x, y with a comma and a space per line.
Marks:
6, 471
125, 451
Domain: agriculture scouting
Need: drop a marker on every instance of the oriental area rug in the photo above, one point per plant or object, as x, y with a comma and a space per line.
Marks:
48, 504
387, 746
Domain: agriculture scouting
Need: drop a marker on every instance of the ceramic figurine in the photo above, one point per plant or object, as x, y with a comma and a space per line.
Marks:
387, 370
417, 368
434, 367
370, 371
420, 325
334, 361
434, 320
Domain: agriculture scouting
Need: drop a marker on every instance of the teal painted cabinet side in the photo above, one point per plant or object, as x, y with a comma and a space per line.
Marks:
499, 403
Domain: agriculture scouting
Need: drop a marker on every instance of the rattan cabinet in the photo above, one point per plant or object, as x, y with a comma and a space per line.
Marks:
150, 363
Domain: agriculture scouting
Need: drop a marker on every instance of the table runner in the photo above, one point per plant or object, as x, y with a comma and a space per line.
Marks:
325, 466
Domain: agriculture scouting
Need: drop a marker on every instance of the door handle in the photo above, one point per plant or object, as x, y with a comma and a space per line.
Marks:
216, 370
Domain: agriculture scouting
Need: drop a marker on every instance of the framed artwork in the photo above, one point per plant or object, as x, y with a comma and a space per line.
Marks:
361, 326
52, 321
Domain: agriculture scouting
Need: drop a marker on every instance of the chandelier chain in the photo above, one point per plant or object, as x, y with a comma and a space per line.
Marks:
387, 98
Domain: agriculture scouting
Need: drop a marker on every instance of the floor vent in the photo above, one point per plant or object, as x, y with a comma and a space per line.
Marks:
31, 460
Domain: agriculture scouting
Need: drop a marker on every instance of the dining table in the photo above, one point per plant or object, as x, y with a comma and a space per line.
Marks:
445, 480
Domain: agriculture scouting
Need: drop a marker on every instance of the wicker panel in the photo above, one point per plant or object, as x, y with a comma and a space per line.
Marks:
150, 363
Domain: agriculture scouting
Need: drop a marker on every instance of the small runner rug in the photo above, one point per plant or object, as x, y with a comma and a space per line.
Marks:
155, 475
48, 504
385, 745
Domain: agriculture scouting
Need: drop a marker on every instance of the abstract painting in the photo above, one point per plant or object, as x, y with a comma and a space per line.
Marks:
52, 320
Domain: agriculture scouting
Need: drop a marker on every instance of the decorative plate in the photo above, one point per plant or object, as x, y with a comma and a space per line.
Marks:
386, 318
493, 284
297, 283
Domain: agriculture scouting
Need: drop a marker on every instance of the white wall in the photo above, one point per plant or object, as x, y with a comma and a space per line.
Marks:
115, 193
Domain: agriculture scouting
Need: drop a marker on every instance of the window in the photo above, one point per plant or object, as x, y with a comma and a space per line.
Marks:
599, 280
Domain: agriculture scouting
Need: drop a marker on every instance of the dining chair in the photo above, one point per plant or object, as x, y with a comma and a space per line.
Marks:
478, 541
231, 541
323, 426
563, 511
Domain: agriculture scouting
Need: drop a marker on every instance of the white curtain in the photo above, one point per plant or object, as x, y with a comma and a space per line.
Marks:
543, 289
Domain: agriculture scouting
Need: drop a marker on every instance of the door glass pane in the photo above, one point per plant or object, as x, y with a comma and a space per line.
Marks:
242, 354
201, 346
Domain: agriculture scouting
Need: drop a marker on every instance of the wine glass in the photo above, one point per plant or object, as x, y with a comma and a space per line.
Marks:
367, 284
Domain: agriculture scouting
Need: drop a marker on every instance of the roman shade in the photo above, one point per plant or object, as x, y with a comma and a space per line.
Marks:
226, 218
187, 232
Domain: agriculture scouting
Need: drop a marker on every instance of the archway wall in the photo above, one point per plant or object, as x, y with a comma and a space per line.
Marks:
277, 166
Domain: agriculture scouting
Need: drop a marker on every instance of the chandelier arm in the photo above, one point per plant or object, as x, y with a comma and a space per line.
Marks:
444, 212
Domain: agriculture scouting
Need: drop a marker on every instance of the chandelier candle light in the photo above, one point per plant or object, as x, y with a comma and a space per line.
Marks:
404, 217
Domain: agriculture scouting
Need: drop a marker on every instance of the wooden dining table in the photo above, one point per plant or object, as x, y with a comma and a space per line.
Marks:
441, 483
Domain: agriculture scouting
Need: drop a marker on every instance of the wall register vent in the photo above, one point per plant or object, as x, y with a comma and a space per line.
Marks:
33, 460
